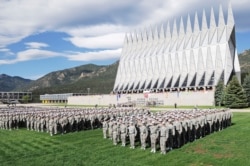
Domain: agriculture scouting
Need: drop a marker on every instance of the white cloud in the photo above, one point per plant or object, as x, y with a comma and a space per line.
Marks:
21, 18
6, 52
36, 45
109, 41
95, 55
34, 54
95, 30
95, 24
31, 54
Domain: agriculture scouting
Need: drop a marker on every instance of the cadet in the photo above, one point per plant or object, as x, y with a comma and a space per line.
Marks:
143, 135
154, 134
163, 137
110, 125
105, 129
132, 135
171, 134
178, 132
51, 125
115, 132
124, 132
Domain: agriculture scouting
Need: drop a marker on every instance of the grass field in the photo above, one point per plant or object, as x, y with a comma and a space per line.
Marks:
21, 147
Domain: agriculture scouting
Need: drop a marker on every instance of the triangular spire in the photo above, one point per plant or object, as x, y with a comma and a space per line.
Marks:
168, 33
221, 21
196, 33
135, 39
181, 29
212, 19
196, 23
189, 27
212, 29
125, 42
145, 35
204, 30
130, 38
139, 36
188, 34
181, 39
150, 34
204, 21
230, 23
162, 34
174, 32
230, 17
221, 27
156, 34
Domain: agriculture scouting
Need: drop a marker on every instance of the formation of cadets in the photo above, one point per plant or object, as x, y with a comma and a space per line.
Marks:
58, 120
164, 130
51, 120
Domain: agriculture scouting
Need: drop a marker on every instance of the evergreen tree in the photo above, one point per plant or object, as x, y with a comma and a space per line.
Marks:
219, 94
235, 96
246, 87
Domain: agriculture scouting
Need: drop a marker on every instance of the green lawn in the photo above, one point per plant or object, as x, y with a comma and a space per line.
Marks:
21, 147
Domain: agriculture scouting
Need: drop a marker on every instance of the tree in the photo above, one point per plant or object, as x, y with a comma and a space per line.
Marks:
246, 87
235, 96
219, 93
26, 99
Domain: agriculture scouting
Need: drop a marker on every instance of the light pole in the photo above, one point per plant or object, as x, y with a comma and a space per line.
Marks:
88, 90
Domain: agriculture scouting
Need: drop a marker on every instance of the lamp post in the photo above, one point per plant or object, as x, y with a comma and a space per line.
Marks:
88, 90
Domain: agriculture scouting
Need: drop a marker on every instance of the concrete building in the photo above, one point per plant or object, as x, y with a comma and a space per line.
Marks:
58, 98
20, 96
176, 64
179, 58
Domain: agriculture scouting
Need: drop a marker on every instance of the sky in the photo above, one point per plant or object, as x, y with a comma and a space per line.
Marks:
41, 36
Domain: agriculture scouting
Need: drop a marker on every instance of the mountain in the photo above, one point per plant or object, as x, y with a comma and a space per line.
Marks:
8, 83
67, 76
244, 59
99, 80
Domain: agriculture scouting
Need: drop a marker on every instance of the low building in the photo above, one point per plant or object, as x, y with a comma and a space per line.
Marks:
20, 96
58, 98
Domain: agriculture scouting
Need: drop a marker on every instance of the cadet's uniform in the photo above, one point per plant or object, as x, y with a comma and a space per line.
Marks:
42, 123
143, 135
10, 120
1, 122
51, 126
209, 119
163, 138
124, 132
170, 141
184, 124
154, 134
115, 133
63, 122
132, 135
202, 124
71, 122
178, 132
110, 125
105, 129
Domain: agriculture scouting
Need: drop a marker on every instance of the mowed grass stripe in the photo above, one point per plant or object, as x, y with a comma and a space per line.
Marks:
22, 147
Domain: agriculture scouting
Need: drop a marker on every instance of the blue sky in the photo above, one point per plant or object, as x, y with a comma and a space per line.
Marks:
41, 36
